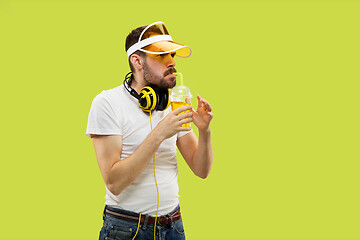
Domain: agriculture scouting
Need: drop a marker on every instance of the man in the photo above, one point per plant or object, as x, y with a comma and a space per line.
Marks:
126, 145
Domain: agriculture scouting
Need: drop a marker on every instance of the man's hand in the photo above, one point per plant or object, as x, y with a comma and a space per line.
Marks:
203, 115
171, 124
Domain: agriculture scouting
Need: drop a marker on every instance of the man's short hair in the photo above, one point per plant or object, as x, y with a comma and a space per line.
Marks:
131, 39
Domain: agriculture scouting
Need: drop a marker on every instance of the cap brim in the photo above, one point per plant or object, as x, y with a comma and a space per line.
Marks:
163, 47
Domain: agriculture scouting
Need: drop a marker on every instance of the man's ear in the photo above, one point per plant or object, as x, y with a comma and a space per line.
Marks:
137, 61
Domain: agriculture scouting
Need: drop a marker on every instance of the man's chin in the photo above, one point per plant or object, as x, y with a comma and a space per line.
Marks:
172, 84
169, 82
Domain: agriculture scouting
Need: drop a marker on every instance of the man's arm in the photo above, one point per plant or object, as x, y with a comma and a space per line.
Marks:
198, 154
118, 174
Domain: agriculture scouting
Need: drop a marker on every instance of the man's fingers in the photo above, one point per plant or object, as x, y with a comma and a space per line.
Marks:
182, 109
200, 101
184, 115
208, 107
186, 120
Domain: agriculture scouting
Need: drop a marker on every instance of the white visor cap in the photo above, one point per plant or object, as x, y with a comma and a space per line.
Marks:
155, 39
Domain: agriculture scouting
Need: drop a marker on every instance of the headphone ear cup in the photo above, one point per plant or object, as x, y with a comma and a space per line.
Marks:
148, 99
163, 99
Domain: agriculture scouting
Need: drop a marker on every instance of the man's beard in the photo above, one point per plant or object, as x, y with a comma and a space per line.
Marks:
159, 82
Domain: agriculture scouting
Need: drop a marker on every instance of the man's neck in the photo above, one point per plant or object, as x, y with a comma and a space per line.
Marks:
138, 81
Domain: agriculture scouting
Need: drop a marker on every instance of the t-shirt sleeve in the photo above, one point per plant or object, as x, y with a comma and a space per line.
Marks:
183, 133
102, 119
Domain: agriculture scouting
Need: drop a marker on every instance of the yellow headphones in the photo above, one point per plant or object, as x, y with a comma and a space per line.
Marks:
150, 98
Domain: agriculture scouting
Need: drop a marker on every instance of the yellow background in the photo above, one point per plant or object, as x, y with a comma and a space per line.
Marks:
283, 80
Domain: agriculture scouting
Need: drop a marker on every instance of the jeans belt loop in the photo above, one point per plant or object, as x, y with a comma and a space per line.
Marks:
104, 213
171, 220
145, 222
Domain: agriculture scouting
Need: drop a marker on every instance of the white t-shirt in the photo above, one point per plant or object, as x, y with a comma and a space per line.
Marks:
116, 112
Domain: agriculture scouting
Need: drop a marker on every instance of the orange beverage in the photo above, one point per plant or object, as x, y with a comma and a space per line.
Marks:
175, 105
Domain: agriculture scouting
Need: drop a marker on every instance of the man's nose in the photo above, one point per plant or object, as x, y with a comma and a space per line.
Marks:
172, 62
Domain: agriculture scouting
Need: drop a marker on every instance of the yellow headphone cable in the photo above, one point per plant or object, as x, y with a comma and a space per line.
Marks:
157, 191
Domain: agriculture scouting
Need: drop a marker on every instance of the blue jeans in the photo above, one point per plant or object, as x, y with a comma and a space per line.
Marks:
118, 229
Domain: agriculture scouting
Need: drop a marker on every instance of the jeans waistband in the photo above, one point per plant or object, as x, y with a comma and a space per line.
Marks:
126, 215
134, 214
